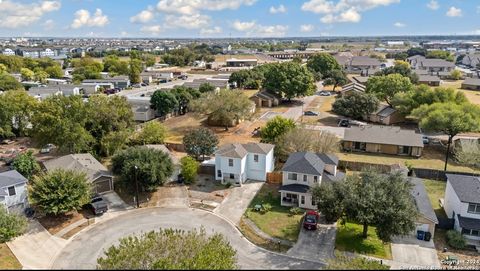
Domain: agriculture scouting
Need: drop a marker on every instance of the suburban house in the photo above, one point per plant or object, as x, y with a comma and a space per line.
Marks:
353, 87
121, 82
218, 83
383, 139
304, 170
430, 80
471, 83
8, 52
266, 99
236, 163
141, 107
97, 174
42, 93
386, 115
233, 62
361, 80
426, 219
462, 204
471, 60
364, 65
13, 191
434, 66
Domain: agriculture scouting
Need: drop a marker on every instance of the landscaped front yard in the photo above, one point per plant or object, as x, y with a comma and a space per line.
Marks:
277, 222
7, 259
349, 238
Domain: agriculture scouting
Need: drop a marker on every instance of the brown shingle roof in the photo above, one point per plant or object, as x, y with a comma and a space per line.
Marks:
389, 135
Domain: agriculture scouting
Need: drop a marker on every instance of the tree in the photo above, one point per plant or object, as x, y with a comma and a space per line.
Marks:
206, 87
200, 142
323, 63
135, 69
300, 139
152, 133
406, 102
449, 118
468, 154
27, 74
189, 169
275, 128
8, 82
169, 249
54, 71
441, 55
225, 108
344, 262
11, 225
154, 168
330, 199
289, 79
416, 51
400, 67
26, 164
385, 87
335, 78
163, 102
60, 191
17, 110
41, 76
456, 75
356, 105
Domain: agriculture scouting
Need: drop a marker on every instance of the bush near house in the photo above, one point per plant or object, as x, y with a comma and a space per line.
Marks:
11, 225
456, 239
189, 169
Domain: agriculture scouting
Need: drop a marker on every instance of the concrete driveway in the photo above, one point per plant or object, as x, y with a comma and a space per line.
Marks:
115, 203
315, 245
84, 249
415, 252
37, 248
237, 201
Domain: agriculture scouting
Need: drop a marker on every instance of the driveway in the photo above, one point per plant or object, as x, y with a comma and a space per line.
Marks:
115, 203
297, 111
86, 247
315, 245
173, 197
414, 252
37, 248
237, 201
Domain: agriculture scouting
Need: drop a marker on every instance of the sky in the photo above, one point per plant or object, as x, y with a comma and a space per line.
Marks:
237, 18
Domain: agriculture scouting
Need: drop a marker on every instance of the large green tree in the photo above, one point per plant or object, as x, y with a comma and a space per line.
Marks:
8, 82
323, 63
17, 111
335, 78
385, 87
400, 67
170, 250
60, 191
275, 128
331, 199
200, 142
152, 168
449, 118
153, 132
26, 164
289, 79
164, 102
356, 105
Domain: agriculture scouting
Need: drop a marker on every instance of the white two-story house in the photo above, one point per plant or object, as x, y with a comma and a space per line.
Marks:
304, 170
13, 191
462, 203
236, 163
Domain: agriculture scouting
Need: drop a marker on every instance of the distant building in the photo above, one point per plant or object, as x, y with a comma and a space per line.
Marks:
471, 84
121, 82
8, 52
233, 62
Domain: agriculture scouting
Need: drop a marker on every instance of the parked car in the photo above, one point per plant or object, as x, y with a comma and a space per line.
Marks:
425, 139
98, 205
310, 221
136, 85
143, 84
184, 77
343, 123
47, 149
311, 113
325, 93
180, 178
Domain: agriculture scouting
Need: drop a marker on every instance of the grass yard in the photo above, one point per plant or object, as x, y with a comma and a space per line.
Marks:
181, 125
436, 191
7, 259
260, 241
472, 95
278, 222
349, 238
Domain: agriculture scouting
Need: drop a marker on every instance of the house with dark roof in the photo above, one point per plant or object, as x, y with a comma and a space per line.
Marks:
97, 174
386, 115
383, 139
13, 191
266, 99
353, 87
304, 170
429, 80
433, 66
364, 65
237, 163
462, 204
426, 218
471, 83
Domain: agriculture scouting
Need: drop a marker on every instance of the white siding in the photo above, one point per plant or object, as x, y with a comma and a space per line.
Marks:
300, 179
19, 197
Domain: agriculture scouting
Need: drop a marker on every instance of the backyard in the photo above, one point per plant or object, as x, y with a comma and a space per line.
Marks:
349, 238
278, 222
7, 259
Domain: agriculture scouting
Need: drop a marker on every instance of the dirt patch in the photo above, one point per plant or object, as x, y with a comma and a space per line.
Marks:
468, 259
253, 237
207, 189
54, 224
8, 261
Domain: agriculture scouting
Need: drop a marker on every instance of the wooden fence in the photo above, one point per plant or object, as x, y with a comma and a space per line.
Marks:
275, 177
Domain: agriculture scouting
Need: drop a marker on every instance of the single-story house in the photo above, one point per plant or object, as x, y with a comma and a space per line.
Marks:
353, 87
42, 93
121, 82
233, 62
13, 191
218, 83
426, 219
471, 84
141, 107
386, 115
97, 173
236, 163
462, 204
364, 65
383, 139
301, 172
266, 99
430, 80
361, 80
435, 65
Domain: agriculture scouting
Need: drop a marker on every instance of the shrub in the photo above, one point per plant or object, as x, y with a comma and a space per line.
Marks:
189, 169
267, 207
11, 225
295, 211
26, 164
456, 239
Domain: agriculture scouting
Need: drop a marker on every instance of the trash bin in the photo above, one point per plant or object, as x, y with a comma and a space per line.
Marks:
420, 235
427, 236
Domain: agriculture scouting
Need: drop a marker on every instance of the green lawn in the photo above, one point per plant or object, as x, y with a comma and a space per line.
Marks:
7, 259
349, 238
278, 222
436, 191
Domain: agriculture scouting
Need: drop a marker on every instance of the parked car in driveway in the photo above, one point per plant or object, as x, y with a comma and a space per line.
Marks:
425, 139
47, 149
324, 93
343, 123
310, 221
310, 113
98, 205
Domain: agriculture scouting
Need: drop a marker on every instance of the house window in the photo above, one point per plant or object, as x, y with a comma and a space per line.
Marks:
11, 191
470, 232
313, 202
219, 173
255, 158
404, 150
232, 176
474, 208
230, 162
292, 176
315, 179
304, 178
302, 199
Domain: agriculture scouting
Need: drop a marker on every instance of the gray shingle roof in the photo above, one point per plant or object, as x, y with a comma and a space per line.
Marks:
354, 87
79, 162
436, 63
11, 177
422, 201
365, 61
469, 223
466, 187
308, 162
384, 110
237, 150
472, 81
428, 78
389, 135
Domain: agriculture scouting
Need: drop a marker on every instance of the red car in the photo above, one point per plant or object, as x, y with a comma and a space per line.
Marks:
311, 220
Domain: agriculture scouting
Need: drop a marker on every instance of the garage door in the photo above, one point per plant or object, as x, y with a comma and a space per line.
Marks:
257, 175
103, 185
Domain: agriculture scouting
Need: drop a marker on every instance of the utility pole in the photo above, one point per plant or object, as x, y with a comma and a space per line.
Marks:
136, 187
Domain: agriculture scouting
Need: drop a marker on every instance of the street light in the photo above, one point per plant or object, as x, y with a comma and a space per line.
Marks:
136, 187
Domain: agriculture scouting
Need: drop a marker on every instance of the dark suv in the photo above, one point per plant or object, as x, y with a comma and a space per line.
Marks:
98, 205
311, 220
